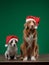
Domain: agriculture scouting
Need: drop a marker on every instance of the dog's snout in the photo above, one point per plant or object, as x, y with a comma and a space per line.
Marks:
31, 26
14, 45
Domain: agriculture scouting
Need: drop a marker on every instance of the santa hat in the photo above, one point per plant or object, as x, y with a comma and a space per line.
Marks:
9, 38
33, 18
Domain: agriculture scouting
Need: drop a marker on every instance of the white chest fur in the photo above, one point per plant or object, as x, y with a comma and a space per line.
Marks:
12, 51
29, 39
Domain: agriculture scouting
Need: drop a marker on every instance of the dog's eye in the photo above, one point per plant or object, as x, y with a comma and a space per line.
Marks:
15, 41
12, 41
34, 22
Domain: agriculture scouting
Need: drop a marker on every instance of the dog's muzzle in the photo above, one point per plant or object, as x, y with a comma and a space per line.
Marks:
31, 28
14, 45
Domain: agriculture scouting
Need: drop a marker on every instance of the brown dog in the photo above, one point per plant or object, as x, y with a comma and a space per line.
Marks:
29, 48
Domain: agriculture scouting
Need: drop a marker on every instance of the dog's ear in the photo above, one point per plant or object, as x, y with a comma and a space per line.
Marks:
25, 24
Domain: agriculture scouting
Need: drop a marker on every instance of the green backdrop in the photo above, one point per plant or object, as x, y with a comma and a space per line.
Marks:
12, 19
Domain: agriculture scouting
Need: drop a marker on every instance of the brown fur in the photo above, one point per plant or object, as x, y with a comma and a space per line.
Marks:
33, 50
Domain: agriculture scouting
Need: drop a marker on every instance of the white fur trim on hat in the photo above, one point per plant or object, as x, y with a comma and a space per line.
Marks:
10, 41
30, 19
13, 39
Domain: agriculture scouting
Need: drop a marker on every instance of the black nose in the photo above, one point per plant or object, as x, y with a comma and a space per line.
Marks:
14, 45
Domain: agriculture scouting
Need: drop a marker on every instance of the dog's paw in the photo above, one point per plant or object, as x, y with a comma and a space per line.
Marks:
6, 55
9, 58
33, 58
25, 59
15, 58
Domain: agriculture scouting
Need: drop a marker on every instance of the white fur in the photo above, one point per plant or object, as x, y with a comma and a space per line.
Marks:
11, 51
33, 58
25, 59
29, 40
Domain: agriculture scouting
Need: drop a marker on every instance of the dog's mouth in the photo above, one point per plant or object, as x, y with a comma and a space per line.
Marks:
32, 29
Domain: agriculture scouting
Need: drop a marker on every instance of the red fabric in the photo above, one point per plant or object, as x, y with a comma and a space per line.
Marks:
10, 37
37, 19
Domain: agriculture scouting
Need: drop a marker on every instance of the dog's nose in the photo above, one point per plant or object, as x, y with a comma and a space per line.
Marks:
31, 26
14, 45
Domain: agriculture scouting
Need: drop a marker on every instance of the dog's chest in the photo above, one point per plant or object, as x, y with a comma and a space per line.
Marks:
29, 39
12, 51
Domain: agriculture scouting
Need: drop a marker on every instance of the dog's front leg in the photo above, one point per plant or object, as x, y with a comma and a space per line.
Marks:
15, 56
33, 54
16, 50
24, 52
7, 56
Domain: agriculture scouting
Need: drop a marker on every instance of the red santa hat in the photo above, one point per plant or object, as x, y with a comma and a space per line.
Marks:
33, 18
9, 38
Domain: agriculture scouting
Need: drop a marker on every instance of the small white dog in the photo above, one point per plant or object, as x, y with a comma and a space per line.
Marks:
11, 51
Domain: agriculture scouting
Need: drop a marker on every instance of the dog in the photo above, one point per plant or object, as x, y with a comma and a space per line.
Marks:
29, 47
12, 48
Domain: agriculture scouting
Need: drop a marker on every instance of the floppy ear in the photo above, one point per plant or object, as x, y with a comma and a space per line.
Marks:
25, 24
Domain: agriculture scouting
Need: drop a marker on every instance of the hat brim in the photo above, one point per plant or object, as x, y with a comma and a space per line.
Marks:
13, 39
30, 19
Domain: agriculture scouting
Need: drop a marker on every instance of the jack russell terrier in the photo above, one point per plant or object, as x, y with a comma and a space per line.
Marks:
11, 45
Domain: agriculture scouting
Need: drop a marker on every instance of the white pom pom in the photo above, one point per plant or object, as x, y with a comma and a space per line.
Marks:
35, 27
6, 45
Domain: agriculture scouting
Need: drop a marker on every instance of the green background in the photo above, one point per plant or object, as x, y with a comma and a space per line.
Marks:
12, 18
